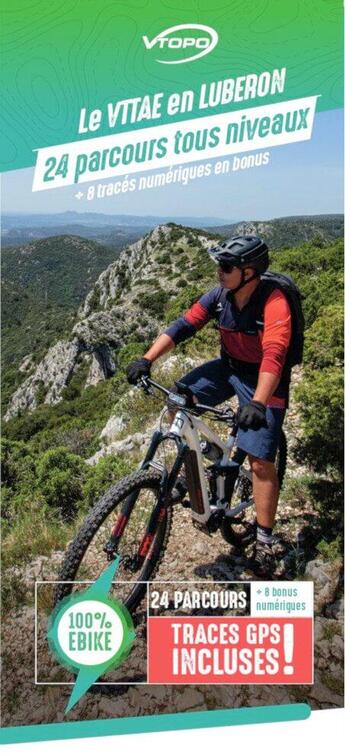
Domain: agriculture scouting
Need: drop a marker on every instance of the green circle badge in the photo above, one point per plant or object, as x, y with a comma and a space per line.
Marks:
90, 633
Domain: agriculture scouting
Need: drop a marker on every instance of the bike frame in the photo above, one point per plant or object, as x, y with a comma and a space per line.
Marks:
187, 429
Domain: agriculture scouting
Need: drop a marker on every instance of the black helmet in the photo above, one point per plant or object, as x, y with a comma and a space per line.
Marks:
243, 252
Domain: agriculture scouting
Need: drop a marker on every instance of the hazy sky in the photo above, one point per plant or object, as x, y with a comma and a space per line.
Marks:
303, 178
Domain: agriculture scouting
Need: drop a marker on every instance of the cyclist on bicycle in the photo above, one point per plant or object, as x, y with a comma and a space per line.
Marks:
252, 364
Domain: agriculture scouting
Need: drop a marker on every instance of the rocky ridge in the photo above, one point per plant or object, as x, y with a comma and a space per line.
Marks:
290, 230
111, 313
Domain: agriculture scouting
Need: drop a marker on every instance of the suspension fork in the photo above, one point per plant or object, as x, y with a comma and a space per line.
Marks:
128, 506
159, 511
154, 443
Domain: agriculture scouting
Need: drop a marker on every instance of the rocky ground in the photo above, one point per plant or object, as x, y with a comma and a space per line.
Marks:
27, 703
188, 558
193, 556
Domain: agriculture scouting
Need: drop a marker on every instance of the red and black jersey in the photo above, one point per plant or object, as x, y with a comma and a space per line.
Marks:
258, 335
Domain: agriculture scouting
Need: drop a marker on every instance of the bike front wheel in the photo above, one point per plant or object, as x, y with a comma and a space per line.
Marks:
85, 557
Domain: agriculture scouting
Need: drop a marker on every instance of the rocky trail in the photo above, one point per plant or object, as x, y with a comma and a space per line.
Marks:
190, 556
189, 559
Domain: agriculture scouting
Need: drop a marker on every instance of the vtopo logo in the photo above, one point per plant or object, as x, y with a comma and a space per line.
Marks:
191, 40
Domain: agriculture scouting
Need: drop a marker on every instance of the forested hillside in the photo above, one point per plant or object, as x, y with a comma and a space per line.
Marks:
42, 285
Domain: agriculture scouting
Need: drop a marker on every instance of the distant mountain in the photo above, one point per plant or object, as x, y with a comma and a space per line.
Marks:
113, 236
117, 231
112, 230
29, 220
289, 231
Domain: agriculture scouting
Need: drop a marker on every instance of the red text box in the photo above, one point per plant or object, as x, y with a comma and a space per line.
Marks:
230, 650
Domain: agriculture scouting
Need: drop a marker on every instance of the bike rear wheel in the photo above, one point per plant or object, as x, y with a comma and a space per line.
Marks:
85, 558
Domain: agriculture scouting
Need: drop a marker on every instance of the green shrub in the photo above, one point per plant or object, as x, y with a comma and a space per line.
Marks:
318, 271
324, 344
195, 275
17, 465
41, 392
129, 352
164, 258
184, 300
73, 436
176, 232
155, 303
320, 400
107, 472
60, 477
24, 426
330, 551
18, 475
182, 263
77, 383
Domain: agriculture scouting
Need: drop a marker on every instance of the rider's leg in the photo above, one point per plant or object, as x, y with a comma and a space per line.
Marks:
265, 490
261, 446
209, 383
266, 493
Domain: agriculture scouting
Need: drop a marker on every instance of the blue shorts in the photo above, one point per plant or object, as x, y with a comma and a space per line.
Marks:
213, 383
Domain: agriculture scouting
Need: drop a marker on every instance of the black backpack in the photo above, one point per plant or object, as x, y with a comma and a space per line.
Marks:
293, 295
271, 281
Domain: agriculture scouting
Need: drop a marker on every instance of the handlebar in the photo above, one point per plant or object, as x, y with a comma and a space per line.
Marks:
145, 382
225, 416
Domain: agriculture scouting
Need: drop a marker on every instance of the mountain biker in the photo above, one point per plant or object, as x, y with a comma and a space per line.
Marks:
253, 364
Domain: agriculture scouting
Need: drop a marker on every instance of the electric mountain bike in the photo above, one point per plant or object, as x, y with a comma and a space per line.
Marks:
133, 518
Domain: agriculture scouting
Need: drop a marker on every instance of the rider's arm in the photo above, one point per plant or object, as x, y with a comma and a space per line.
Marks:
159, 347
185, 326
194, 319
266, 386
275, 342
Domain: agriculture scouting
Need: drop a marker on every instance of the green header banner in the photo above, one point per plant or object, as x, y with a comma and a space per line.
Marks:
66, 63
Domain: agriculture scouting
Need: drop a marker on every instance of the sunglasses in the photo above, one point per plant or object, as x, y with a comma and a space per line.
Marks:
226, 267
